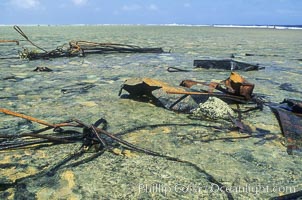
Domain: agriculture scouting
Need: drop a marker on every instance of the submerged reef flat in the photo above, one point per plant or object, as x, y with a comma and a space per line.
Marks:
87, 88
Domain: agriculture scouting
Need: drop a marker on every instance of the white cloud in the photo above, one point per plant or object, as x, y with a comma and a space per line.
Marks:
25, 4
132, 7
153, 7
137, 7
79, 2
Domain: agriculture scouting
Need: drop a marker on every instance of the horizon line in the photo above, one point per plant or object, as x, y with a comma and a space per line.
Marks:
172, 24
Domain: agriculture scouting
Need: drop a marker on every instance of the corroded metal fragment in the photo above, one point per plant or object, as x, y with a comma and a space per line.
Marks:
234, 85
237, 85
42, 69
291, 127
226, 64
293, 105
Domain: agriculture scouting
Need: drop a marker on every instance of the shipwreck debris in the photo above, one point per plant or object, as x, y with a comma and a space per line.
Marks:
291, 196
264, 55
10, 41
235, 85
289, 116
238, 86
91, 136
81, 87
199, 103
87, 47
289, 87
292, 105
235, 89
42, 69
159, 93
226, 64
80, 49
176, 69
141, 86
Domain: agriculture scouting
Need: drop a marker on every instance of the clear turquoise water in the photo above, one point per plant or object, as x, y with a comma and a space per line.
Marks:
236, 164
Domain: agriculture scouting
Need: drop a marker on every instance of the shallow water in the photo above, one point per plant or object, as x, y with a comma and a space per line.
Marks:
235, 163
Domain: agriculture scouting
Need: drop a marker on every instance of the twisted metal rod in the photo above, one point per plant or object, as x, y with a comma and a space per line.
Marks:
18, 29
95, 136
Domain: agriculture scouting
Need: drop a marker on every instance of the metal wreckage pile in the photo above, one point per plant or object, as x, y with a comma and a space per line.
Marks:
77, 49
189, 97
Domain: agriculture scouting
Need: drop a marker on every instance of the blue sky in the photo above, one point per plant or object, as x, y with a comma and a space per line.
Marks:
251, 12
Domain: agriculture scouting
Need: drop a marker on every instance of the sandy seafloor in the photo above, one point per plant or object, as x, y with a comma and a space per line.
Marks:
254, 168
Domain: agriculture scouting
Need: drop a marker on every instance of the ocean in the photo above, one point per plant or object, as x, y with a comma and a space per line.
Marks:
251, 168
